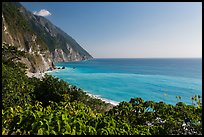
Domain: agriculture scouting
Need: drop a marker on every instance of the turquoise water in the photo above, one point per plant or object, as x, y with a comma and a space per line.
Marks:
122, 79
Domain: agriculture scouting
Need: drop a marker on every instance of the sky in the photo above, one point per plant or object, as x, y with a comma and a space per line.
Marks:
128, 29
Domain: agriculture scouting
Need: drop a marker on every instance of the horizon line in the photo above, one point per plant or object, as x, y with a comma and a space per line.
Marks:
150, 58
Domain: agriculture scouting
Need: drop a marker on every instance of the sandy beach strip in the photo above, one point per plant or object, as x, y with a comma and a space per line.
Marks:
114, 103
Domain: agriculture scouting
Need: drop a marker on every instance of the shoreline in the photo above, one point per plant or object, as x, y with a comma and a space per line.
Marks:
114, 103
41, 75
36, 75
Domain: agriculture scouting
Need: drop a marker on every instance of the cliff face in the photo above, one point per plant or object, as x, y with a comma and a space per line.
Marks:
62, 46
43, 42
16, 32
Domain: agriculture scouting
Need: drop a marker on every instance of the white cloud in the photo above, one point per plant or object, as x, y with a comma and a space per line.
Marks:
42, 12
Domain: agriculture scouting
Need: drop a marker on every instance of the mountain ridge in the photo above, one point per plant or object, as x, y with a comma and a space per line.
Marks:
43, 42
62, 46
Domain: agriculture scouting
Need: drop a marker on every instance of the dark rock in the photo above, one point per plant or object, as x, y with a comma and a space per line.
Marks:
53, 66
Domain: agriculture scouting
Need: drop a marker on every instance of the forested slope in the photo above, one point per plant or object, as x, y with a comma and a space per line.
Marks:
32, 106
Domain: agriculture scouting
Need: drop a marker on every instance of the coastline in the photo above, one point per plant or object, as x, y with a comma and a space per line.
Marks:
41, 75
114, 103
36, 75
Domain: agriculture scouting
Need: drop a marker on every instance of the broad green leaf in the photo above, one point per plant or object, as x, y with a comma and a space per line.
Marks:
59, 126
40, 131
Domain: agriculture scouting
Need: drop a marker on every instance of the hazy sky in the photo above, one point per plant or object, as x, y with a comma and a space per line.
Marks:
128, 29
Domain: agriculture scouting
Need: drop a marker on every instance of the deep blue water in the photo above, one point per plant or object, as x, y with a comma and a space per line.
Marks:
121, 79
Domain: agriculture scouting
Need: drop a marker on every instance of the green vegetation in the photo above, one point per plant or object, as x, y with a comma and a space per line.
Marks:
53, 107
19, 26
14, 19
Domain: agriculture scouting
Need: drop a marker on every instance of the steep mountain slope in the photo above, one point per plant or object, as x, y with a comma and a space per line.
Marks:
62, 46
43, 42
17, 32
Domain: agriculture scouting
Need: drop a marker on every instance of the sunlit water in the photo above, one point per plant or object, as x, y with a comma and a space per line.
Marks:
122, 79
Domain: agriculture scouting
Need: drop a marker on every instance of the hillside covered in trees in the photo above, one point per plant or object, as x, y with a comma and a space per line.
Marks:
43, 42
50, 106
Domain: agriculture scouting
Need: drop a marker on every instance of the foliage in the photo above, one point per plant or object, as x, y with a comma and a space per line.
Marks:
53, 107
15, 87
66, 118
11, 52
11, 56
49, 89
18, 25
76, 119
13, 17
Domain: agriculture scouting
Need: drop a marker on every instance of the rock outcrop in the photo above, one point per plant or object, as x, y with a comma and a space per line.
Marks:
62, 46
43, 42
16, 32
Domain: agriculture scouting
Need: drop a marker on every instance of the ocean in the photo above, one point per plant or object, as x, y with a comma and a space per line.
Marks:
116, 80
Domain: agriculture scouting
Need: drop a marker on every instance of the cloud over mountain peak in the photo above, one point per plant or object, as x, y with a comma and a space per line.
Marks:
42, 12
